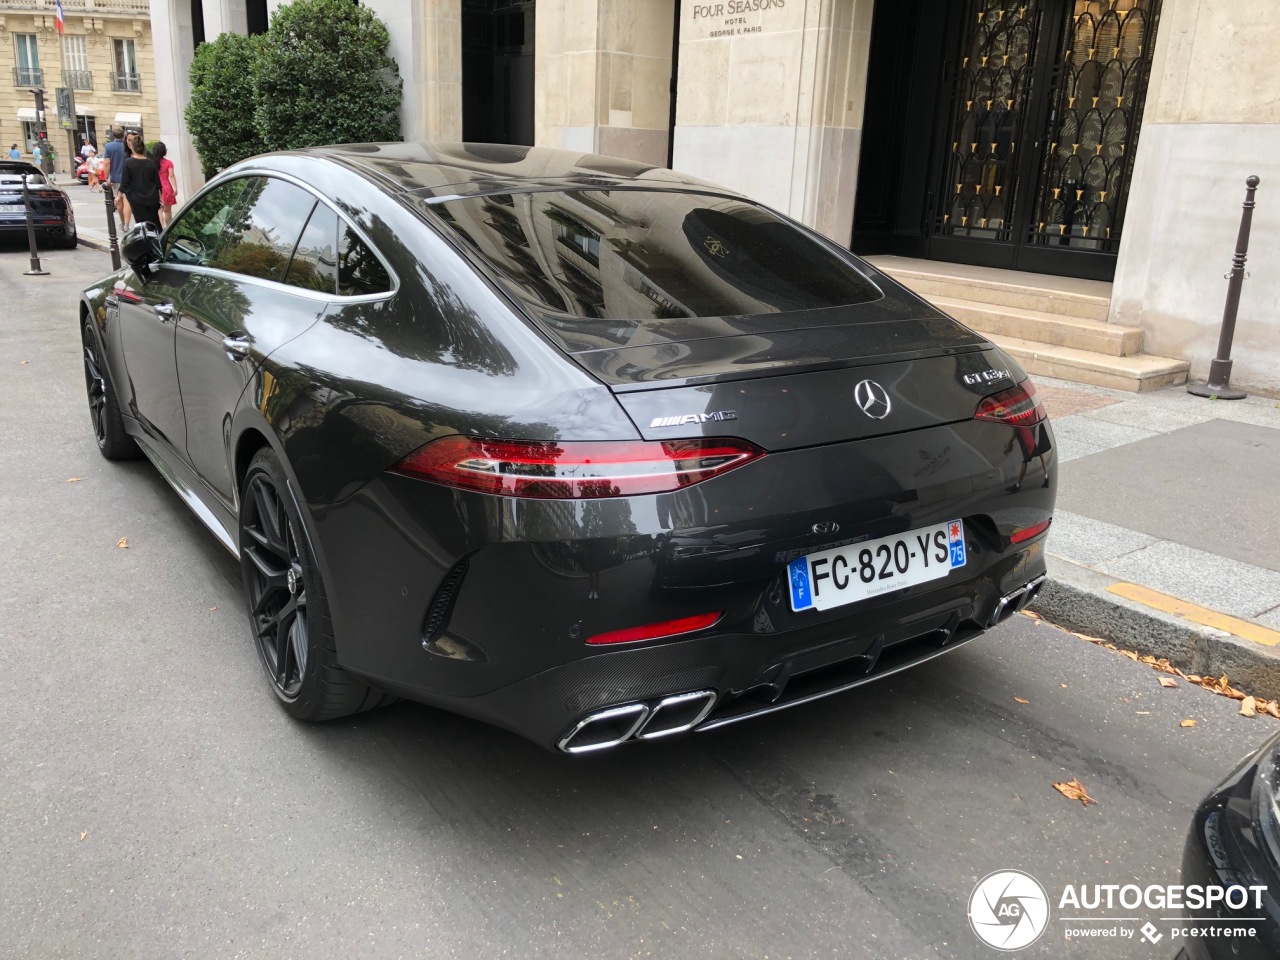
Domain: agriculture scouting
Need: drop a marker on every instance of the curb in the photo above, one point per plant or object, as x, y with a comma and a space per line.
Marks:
1076, 597
93, 243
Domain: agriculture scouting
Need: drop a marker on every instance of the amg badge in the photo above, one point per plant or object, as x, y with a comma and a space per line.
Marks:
693, 418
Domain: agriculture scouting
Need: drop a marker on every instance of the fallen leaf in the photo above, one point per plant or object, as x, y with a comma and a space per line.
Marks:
1249, 707
1168, 682
1031, 615
83, 834
123, 543
74, 479
1130, 654
1187, 723
1191, 677
1020, 700
213, 608
1063, 686
1074, 790
1273, 708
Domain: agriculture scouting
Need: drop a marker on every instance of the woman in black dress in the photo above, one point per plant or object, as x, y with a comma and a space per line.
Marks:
140, 183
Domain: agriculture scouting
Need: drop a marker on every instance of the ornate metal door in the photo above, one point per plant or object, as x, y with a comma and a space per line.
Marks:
1037, 145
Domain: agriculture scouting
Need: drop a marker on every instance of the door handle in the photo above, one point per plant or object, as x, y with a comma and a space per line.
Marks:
166, 311
237, 347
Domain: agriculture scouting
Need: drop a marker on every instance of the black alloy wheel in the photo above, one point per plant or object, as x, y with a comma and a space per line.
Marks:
104, 413
287, 605
276, 586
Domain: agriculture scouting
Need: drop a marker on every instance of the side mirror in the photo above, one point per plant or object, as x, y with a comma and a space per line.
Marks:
141, 246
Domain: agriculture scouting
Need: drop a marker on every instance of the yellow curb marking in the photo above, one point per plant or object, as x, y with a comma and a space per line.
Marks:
1210, 618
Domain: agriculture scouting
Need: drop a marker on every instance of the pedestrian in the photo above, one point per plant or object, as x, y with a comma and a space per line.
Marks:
95, 170
168, 183
35, 154
14, 152
140, 183
113, 166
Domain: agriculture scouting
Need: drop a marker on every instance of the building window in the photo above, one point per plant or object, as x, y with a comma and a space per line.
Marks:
27, 72
75, 63
126, 76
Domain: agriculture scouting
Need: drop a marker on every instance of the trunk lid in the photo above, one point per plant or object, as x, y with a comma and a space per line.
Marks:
791, 380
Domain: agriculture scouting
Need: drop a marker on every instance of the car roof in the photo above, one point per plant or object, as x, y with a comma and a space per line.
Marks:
435, 171
19, 166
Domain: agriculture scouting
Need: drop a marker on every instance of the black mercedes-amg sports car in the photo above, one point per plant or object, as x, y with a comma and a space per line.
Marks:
52, 215
573, 445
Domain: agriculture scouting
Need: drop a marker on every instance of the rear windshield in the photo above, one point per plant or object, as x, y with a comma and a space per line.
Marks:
651, 255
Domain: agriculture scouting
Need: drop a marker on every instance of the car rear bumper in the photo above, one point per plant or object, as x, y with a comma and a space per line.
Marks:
483, 605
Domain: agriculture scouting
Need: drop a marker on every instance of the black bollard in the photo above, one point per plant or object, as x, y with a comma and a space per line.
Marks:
1218, 385
109, 199
35, 270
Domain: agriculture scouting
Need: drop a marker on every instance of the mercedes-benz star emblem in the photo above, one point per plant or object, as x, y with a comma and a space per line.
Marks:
872, 399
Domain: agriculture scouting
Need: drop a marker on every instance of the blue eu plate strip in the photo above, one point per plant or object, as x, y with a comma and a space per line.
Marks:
955, 537
798, 577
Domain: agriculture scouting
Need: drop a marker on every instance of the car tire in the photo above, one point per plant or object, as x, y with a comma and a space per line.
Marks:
287, 604
114, 442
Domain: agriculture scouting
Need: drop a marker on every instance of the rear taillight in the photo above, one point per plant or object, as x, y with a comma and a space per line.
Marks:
1026, 533
574, 470
654, 631
1016, 406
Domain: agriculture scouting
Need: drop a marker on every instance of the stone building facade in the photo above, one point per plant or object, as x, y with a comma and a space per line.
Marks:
105, 59
1095, 139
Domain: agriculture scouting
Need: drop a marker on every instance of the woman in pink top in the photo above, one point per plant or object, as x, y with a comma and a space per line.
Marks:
168, 185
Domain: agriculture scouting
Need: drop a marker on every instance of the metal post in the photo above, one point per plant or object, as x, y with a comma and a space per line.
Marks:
1219, 386
35, 270
112, 242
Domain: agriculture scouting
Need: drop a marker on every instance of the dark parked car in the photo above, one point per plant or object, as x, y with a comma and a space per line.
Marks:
1234, 844
51, 211
570, 444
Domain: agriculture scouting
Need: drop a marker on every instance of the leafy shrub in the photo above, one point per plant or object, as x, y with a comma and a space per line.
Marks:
220, 113
323, 76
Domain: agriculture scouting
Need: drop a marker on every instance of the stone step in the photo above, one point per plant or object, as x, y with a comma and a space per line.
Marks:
1055, 329
1068, 296
1137, 374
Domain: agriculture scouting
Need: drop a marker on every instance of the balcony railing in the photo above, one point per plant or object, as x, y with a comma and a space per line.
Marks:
129, 8
77, 79
28, 77
126, 82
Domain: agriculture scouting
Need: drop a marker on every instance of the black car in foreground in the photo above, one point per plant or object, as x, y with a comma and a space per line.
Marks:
51, 212
573, 445
1234, 844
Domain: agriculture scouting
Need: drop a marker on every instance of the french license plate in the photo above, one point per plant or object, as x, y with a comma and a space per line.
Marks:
857, 571
11, 208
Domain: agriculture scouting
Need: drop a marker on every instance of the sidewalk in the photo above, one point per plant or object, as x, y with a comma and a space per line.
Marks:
91, 214
1166, 536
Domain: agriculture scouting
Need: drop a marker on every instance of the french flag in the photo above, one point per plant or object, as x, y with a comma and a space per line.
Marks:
62, 27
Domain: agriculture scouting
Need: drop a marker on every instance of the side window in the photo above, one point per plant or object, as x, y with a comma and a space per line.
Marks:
260, 237
359, 270
315, 262
194, 236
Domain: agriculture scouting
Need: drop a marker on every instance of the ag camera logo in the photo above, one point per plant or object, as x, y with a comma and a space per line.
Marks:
1008, 910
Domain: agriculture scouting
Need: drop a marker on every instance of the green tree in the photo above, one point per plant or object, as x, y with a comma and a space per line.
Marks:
324, 76
220, 114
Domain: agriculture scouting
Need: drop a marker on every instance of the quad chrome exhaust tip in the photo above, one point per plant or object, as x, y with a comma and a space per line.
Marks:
1017, 600
609, 728
678, 714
